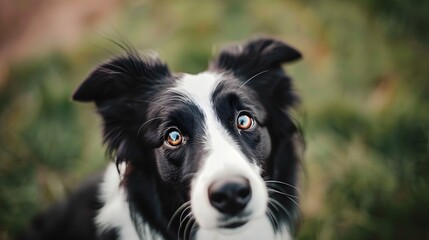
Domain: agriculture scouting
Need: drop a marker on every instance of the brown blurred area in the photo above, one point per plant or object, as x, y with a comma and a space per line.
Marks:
30, 27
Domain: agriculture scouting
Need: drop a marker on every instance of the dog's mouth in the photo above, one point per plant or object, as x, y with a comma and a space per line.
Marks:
233, 224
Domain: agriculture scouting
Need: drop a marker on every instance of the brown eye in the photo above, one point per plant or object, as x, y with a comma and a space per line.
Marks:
244, 121
173, 138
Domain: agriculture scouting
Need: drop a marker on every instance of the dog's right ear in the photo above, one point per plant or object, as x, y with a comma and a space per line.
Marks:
119, 77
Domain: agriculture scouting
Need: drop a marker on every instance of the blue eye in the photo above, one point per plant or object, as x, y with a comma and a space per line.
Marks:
244, 121
174, 138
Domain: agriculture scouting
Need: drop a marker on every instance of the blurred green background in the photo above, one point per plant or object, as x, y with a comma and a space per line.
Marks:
363, 80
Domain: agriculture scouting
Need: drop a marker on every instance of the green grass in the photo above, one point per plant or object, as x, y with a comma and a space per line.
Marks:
363, 81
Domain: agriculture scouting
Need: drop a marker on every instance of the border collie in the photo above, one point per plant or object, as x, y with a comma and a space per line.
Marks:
208, 156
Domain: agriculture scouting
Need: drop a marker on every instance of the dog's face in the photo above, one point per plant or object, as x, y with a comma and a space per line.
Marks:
206, 142
214, 134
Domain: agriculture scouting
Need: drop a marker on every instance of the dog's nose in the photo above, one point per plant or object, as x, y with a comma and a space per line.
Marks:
230, 195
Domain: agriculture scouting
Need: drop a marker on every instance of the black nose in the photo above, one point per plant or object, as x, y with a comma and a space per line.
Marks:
230, 195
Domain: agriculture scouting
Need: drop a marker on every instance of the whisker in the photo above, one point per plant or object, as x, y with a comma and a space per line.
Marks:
194, 227
181, 215
279, 182
248, 80
150, 120
184, 219
187, 226
272, 218
282, 193
295, 203
277, 211
277, 187
281, 207
274, 206
182, 223
183, 207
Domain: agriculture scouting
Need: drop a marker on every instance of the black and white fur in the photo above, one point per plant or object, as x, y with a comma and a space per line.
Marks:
155, 190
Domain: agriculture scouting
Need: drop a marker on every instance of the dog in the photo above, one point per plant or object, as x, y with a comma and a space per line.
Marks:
208, 156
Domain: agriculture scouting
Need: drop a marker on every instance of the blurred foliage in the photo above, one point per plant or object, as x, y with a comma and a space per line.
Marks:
363, 81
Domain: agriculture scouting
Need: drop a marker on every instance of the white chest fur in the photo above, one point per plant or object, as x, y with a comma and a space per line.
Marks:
115, 212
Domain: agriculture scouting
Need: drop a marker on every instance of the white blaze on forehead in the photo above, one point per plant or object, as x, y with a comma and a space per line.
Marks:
199, 88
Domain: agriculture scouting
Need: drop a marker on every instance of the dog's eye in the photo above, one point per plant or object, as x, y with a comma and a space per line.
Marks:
173, 137
244, 121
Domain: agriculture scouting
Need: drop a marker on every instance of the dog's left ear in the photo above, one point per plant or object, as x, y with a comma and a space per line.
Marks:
258, 65
258, 55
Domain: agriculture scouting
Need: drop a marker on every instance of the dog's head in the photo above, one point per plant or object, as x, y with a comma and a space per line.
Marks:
216, 147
